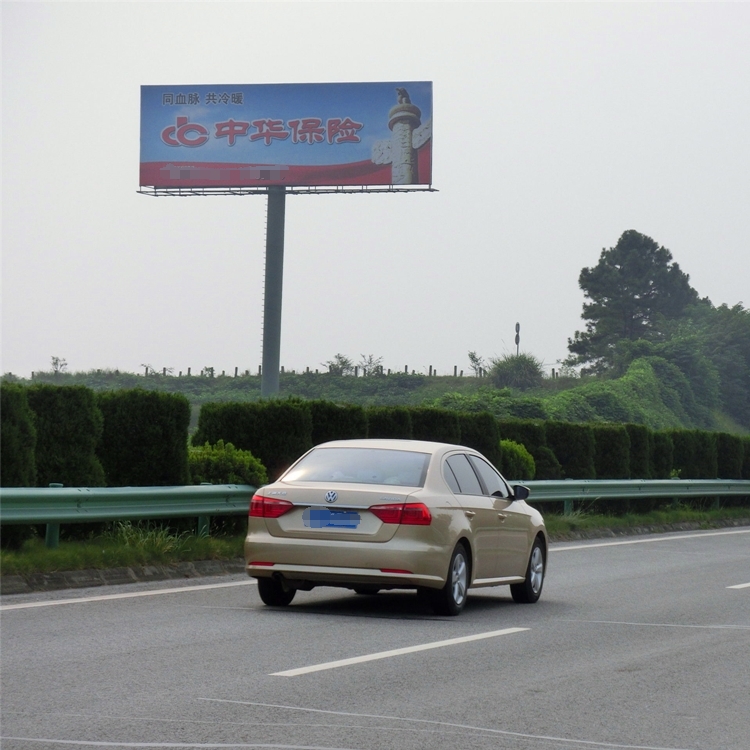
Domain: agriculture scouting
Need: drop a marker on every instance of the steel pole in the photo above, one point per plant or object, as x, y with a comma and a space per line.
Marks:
269, 383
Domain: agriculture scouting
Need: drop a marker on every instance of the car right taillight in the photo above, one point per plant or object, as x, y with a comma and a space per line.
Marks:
268, 507
408, 514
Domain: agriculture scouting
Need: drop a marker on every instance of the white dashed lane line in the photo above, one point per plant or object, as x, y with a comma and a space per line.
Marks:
740, 586
648, 540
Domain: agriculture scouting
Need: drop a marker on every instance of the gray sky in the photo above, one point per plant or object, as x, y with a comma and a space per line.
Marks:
556, 128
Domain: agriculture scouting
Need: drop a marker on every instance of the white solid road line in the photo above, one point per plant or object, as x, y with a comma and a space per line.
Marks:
395, 652
130, 595
740, 586
649, 540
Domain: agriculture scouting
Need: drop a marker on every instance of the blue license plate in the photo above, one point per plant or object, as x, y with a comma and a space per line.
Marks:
322, 518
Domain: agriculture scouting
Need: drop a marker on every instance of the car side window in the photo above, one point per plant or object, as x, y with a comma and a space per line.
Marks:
491, 479
468, 484
450, 479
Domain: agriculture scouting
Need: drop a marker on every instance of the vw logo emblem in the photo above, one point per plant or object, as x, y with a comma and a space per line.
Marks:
331, 497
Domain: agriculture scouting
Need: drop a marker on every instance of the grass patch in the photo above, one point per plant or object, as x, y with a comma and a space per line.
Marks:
120, 546
584, 521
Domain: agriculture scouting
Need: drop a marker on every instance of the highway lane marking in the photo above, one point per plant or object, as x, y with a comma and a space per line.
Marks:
85, 743
394, 652
130, 595
740, 586
504, 732
649, 540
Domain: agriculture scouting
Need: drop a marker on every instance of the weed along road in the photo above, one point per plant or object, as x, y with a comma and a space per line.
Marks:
641, 643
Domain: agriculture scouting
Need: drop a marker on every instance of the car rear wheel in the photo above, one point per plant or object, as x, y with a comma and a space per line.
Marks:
273, 593
451, 598
531, 589
366, 590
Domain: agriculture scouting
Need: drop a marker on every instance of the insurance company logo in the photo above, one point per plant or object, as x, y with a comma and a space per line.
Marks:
331, 496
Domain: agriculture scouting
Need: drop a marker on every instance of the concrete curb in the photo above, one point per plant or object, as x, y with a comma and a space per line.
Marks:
74, 579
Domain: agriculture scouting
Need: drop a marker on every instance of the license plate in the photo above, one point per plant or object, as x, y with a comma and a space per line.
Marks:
323, 518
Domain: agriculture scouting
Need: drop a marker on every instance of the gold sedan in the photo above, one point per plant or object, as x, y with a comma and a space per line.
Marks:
395, 514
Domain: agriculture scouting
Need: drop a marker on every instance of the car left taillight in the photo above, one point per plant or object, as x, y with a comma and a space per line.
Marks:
268, 507
407, 514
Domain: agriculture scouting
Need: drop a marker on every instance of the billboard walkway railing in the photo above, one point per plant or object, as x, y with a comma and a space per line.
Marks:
55, 505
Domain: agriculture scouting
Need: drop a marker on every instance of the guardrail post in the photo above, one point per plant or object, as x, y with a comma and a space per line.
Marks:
204, 525
568, 508
52, 536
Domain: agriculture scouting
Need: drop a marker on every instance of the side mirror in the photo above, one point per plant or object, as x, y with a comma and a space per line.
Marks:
520, 492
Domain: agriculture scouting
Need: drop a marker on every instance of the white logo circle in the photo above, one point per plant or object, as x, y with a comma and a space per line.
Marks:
331, 497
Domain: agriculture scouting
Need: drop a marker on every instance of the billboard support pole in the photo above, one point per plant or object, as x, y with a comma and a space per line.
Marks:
269, 383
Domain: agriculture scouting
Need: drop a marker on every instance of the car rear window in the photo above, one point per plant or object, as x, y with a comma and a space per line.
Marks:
361, 466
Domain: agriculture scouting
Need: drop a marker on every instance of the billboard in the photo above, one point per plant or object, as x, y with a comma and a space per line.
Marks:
309, 134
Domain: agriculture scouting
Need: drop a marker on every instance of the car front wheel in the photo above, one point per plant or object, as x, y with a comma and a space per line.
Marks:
273, 593
451, 598
531, 589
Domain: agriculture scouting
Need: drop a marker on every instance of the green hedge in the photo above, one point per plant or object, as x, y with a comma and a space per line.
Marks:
695, 454
224, 464
533, 436
746, 457
144, 443
574, 447
707, 455
611, 451
439, 425
17, 459
517, 464
729, 456
662, 454
331, 421
480, 431
277, 432
640, 451
68, 428
391, 422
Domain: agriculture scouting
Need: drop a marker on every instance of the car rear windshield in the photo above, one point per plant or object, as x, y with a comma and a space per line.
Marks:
361, 466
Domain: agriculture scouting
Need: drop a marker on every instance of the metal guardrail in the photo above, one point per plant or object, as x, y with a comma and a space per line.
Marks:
55, 505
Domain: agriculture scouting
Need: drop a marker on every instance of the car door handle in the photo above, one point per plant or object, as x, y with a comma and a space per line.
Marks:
502, 516
470, 513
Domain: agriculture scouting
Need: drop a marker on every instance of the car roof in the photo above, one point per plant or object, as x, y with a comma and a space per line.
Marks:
417, 446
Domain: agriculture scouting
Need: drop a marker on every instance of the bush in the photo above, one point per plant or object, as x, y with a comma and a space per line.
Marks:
729, 456
224, 464
640, 451
684, 453
277, 432
17, 459
68, 428
547, 465
612, 451
480, 431
144, 443
517, 464
574, 447
746, 457
707, 464
522, 371
527, 407
438, 425
333, 422
662, 455
571, 406
391, 422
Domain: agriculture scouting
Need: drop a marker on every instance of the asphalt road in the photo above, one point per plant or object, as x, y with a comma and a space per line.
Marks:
639, 643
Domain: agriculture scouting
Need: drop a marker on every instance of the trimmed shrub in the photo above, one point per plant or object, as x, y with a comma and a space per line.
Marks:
746, 457
528, 433
640, 451
574, 447
480, 432
517, 464
391, 422
68, 428
612, 451
707, 464
547, 465
277, 432
662, 454
331, 421
684, 453
729, 456
17, 459
224, 464
144, 443
439, 425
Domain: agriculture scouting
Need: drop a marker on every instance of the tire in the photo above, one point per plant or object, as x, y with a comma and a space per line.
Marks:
366, 590
273, 594
530, 590
450, 600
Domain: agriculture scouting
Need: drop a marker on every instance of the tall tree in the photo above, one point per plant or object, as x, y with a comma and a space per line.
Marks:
634, 287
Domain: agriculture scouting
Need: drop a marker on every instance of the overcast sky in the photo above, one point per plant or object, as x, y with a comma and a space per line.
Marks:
556, 128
